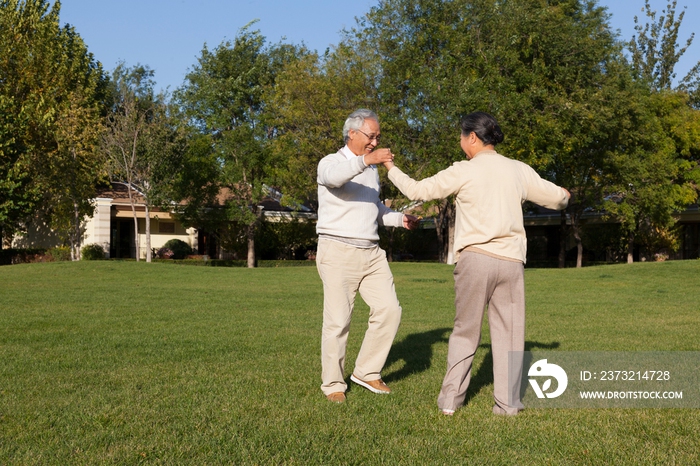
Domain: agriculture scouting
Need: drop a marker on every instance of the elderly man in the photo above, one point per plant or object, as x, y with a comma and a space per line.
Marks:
349, 258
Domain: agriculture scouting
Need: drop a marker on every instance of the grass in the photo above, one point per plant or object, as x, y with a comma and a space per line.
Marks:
133, 363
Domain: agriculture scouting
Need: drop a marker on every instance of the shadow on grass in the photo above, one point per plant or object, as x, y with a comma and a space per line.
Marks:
483, 375
416, 350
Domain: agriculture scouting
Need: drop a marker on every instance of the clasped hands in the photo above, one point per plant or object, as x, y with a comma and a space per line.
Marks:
380, 157
385, 157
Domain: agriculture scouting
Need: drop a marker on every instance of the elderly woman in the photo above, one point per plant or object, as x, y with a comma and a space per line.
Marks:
490, 247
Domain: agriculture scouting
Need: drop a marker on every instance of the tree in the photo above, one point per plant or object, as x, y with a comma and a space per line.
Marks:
422, 84
77, 167
195, 187
651, 180
655, 51
308, 104
537, 66
605, 121
657, 175
223, 98
142, 143
50, 92
72, 172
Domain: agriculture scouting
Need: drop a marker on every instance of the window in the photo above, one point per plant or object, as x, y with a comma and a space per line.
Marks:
166, 227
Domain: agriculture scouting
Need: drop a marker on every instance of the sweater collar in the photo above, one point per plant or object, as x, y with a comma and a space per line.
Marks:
348, 153
484, 152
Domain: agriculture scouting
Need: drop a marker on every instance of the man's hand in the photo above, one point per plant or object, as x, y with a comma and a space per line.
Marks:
411, 222
378, 156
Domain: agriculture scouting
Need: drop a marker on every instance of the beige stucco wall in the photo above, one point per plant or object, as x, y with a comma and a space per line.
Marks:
159, 239
38, 235
97, 228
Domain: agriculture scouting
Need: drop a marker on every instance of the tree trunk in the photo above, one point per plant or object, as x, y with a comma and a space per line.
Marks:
562, 240
579, 244
149, 253
443, 222
442, 258
390, 247
579, 253
75, 236
451, 214
630, 248
136, 222
136, 235
251, 246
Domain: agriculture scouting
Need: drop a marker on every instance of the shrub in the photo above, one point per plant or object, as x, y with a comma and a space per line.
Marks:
179, 248
164, 253
21, 256
92, 252
59, 254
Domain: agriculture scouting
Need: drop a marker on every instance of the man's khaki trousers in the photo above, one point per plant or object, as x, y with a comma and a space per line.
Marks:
345, 270
483, 281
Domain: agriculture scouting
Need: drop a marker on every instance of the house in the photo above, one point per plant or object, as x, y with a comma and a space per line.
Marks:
543, 229
112, 227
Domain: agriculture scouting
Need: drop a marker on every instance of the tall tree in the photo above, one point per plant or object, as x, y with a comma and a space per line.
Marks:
658, 174
537, 66
308, 104
75, 170
223, 97
141, 143
48, 82
652, 179
601, 126
194, 187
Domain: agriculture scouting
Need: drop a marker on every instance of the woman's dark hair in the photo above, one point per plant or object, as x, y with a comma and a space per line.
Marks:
484, 126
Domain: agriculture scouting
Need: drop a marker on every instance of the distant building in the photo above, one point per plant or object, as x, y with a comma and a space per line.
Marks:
112, 227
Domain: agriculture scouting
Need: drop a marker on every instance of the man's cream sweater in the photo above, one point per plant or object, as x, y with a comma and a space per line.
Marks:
348, 199
490, 191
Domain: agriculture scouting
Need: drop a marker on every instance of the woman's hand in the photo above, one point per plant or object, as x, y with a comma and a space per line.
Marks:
411, 222
378, 156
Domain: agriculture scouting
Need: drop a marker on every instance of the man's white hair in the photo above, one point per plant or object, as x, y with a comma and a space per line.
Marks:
357, 119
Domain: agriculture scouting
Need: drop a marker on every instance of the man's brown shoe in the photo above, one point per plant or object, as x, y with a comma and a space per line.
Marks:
376, 386
337, 397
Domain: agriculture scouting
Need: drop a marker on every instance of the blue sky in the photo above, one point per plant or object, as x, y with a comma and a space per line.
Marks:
168, 35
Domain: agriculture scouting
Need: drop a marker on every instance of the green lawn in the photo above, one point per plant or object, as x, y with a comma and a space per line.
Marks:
134, 363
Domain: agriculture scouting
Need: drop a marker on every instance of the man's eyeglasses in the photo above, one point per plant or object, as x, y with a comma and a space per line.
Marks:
371, 138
